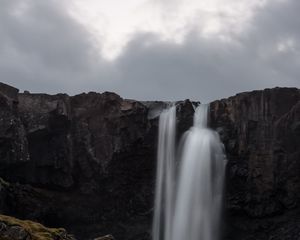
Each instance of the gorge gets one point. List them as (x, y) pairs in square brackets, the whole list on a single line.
[(87, 162)]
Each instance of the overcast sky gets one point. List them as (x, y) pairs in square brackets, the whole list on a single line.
[(150, 49)]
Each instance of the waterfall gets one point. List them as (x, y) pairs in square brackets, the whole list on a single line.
[(195, 201), (200, 183), (164, 194)]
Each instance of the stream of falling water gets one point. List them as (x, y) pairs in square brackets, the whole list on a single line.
[(188, 204), (164, 194)]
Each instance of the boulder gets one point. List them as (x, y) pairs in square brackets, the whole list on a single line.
[(15, 229)]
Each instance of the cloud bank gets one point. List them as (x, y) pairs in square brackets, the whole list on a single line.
[(44, 49)]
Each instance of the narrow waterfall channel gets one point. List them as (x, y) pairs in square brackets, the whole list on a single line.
[(188, 204), (164, 194)]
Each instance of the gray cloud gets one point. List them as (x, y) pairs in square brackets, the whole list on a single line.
[(208, 69), (44, 49)]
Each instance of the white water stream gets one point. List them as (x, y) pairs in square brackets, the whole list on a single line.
[(164, 194), (188, 204)]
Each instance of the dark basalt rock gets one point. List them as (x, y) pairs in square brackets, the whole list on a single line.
[(87, 162), (259, 130), (13, 142)]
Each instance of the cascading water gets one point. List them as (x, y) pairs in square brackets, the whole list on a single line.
[(164, 195), (194, 204), (197, 210)]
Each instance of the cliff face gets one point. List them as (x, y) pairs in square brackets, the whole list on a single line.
[(90, 160), (261, 134), (72, 140)]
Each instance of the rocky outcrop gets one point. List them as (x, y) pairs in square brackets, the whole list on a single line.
[(260, 131), (15, 229), (73, 140), (87, 162), (13, 141)]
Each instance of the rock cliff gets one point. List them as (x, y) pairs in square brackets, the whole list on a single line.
[(87, 162), (260, 131)]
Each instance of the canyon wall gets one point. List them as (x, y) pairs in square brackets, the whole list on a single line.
[(87, 162)]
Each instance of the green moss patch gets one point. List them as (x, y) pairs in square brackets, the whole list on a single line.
[(36, 230)]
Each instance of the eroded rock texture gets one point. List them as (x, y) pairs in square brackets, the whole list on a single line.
[(83, 162), (260, 131), (87, 162)]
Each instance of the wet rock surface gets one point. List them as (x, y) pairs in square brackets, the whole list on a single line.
[(87, 162)]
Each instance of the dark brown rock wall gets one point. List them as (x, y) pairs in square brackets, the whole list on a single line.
[(90, 160), (261, 137)]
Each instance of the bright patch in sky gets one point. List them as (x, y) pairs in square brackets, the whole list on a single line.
[(113, 23), (286, 45)]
